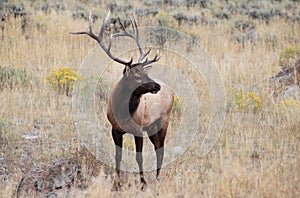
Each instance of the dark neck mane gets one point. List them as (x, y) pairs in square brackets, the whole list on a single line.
[(134, 102), (126, 100)]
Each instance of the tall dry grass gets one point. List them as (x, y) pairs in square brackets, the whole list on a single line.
[(257, 155)]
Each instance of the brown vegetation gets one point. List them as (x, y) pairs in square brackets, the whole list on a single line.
[(257, 154)]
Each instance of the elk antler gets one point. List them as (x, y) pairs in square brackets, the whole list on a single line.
[(99, 39), (134, 36)]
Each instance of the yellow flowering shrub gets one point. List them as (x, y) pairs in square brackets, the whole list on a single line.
[(176, 105), (288, 55), (289, 104), (240, 100), (176, 111), (63, 79)]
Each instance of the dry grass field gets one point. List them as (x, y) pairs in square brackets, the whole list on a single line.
[(256, 155)]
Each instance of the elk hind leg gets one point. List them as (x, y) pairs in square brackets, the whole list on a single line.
[(157, 139)]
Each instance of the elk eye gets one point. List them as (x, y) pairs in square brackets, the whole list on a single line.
[(136, 77)]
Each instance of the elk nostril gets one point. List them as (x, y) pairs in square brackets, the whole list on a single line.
[(157, 86)]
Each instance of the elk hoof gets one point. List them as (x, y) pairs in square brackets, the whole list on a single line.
[(143, 188), (144, 184), (158, 178)]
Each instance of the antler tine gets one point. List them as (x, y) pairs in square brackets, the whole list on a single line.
[(134, 36), (107, 50), (124, 33), (136, 31), (134, 25), (101, 31), (89, 31), (142, 54), (147, 62), (90, 22), (99, 39)]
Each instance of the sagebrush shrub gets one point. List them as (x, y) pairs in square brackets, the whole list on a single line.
[(11, 77)]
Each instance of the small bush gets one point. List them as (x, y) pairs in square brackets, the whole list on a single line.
[(221, 14), (176, 106), (102, 89), (289, 110), (5, 126), (242, 101), (244, 25), (128, 143), (289, 55), (16, 9), (289, 104), (198, 3), (11, 78), (165, 19), (63, 79)]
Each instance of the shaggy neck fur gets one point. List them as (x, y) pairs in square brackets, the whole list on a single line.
[(128, 101), (134, 102)]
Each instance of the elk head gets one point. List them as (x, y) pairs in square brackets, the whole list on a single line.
[(137, 81), (135, 75)]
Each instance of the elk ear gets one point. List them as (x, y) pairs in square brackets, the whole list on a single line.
[(126, 70), (146, 69)]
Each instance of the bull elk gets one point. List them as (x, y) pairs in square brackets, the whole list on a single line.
[(137, 102)]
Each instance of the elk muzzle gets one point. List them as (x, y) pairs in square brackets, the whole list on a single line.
[(149, 87)]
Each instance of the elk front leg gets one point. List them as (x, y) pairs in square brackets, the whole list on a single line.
[(139, 157), (118, 139)]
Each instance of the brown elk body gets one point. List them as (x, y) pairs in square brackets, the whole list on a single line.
[(137, 102)]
